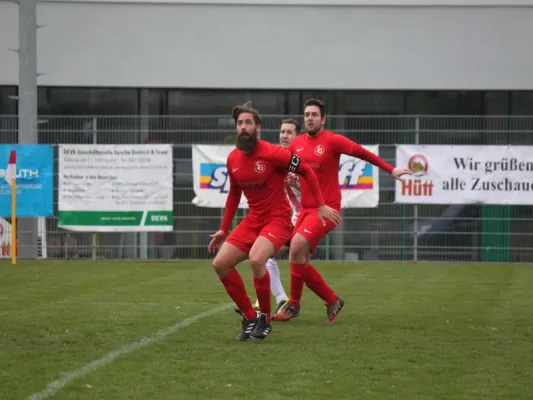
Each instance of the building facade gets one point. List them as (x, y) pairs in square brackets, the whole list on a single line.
[(365, 57)]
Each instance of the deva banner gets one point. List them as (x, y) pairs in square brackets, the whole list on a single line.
[(359, 180), (35, 180), (466, 174), (115, 188)]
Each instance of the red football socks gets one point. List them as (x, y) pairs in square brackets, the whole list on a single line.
[(298, 272), (318, 285), (262, 289), (234, 285)]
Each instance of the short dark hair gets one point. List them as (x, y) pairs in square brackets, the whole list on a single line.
[(246, 108), (294, 122), (316, 102)]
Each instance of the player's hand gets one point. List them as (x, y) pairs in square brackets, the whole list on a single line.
[(216, 240), (397, 173), (326, 212)]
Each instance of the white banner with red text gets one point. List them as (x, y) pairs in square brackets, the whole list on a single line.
[(359, 180), (465, 174)]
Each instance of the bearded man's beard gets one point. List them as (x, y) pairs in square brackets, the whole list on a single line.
[(246, 142)]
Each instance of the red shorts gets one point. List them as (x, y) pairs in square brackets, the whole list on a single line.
[(277, 231), (310, 226)]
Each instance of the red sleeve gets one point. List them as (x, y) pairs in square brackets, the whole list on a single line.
[(280, 157), (292, 163), (346, 146), (232, 203)]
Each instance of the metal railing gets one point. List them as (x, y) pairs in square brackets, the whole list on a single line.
[(389, 232)]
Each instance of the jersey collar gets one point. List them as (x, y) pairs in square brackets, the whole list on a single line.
[(316, 136)]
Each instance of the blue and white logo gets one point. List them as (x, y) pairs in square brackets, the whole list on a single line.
[(34, 180)]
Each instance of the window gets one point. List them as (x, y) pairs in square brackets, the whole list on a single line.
[(521, 128), (8, 115), (522, 103), (8, 106), (496, 103), (366, 120), (371, 103), (448, 103), (88, 101), (210, 103), (79, 105), (220, 102), (294, 103)]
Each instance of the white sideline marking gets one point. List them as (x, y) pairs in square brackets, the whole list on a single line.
[(53, 387)]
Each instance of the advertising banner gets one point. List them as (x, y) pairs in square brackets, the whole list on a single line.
[(465, 174), (115, 188)]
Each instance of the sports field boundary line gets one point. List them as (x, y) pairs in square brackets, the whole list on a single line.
[(53, 387)]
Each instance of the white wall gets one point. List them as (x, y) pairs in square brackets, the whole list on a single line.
[(435, 3), (238, 46)]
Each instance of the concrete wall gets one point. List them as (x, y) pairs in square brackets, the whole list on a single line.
[(170, 43)]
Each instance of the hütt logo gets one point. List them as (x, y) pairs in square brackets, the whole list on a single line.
[(419, 164)]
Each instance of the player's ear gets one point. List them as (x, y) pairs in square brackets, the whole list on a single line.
[(323, 121), (259, 131)]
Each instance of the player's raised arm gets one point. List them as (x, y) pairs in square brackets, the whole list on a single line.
[(346, 146), (232, 204), (297, 166)]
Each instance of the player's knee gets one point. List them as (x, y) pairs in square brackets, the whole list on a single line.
[(297, 259), (258, 264), (220, 267), (299, 250), (256, 260)]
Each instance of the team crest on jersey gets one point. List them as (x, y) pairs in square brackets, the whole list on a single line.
[(319, 150), (259, 166)]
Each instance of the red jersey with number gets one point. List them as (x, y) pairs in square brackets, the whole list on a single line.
[(260, 175), (322, 152)]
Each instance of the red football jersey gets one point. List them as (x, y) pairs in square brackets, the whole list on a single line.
[(322, 152), (260, 175)]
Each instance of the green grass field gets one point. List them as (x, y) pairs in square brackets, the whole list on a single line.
[(82, 330)]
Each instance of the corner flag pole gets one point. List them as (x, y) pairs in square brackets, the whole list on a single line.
[(11, 178), (14, 221)]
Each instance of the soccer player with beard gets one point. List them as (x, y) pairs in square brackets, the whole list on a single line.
[(258, 169), (288, 131), (321, 149)]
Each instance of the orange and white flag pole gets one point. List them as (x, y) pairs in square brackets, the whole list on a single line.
[(11, 178)]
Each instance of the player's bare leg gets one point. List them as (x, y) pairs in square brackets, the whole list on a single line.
[(261, 251), (228, 257), (304, 273)]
